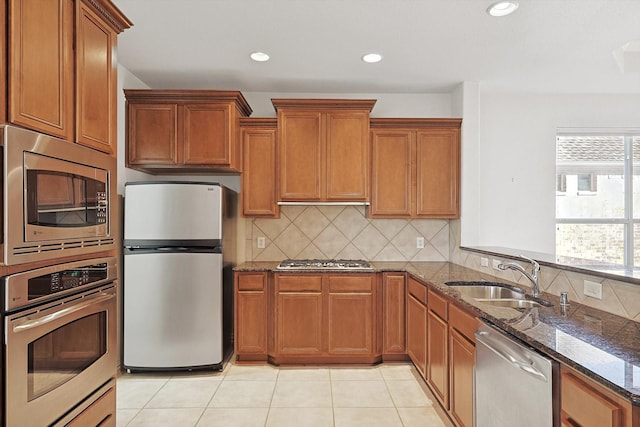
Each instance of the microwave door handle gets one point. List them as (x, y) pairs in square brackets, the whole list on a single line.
[(34, 323)]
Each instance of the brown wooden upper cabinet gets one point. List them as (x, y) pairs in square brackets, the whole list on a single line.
[(323, 149), (259, 192), (63, 75), (184, 130), (416, 168)]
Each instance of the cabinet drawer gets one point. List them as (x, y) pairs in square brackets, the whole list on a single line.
[(251, 282), (418, 290), (438, 305), (357, 284), (463, 322), (99, 413), (584, 406), (302, 283)]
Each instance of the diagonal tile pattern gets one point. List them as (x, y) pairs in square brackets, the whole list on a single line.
[(266, 396), (345, 232), (620, 298)]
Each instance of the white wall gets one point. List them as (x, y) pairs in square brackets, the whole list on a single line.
[(516, 171), (466, 98), (387, 105)]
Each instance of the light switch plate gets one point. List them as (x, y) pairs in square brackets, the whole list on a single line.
[(484, 262), (261, 242), (420, 242), (593, 289)]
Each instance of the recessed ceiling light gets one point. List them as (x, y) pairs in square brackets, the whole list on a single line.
[(372, 58), (259, 56), (502, 8)]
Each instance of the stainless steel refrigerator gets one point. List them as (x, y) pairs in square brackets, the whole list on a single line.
[(178, 281)]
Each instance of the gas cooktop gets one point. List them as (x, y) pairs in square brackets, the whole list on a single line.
[(325, 264)]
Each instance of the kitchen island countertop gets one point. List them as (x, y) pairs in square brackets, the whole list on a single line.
[(603, 346)]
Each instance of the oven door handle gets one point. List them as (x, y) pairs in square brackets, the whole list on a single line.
[(87, 301)]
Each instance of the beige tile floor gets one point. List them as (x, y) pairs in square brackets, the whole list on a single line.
[(388, 395)]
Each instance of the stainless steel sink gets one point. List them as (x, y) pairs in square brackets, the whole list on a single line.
[(488, 292), (510, 302), (497, 294)]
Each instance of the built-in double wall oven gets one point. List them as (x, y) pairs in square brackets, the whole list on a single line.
[(60, 344), (57, 198)]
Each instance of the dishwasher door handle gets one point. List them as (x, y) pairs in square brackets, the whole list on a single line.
[(493, 344)]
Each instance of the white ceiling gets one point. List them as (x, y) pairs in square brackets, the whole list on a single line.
[(429, 46)]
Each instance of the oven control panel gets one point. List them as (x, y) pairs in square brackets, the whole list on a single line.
[(68, 279), (34, 286)]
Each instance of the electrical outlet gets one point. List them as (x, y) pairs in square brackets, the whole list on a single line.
[(484, 262), (420, 242), (593, 289), (261, 242), (495, 264)]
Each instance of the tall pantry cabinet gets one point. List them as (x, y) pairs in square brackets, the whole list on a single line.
[(62, 71)]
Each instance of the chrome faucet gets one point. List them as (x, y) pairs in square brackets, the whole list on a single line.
[(533, 277)]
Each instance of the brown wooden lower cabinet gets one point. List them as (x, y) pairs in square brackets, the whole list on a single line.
[(440, 343), (299, 315), (251, 321), (462, 361), (351, 315), (438, 347), (394, 316), (587, 404), (337, 318), (325, 318), (417, 324)]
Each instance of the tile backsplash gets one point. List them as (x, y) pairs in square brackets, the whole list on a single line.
[(618, 297), (345, 232)]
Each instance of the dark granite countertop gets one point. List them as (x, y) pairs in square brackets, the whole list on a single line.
[(603, 346)]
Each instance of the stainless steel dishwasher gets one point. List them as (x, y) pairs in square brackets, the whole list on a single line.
[(515, 385)]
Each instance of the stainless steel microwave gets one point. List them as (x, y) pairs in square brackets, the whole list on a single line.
[(58, 197)]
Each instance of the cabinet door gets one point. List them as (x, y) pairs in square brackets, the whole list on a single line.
[(437, 173), (96, 81), (394, 314), (351, 315), (347, 151), (41, 74), (300, 155), (100, 413), (207, 134), (4, 96), (462, 356), (391, 174), (299, 315), (583, 405), (259, 172), (152, 134), (437, 358), (251, 316), (417, 333)]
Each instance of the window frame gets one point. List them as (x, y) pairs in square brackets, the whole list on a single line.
[(628, 221)]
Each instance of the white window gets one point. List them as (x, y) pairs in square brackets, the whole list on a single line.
[(597, 208)]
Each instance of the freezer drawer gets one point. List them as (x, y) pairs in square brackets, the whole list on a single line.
[(172, 310), (515, 385)]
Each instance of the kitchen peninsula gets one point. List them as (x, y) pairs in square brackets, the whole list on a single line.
[(577, 336)]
